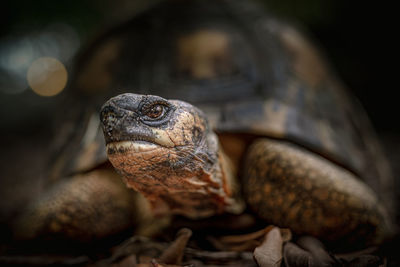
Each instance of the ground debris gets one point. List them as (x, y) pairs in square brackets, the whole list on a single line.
[(43, 260), (247, 242), (268, 247), (269, 253)]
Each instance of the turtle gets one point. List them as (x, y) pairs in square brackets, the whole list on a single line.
[(205, 108)]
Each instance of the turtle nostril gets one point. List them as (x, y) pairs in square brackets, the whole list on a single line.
[(109, 115)]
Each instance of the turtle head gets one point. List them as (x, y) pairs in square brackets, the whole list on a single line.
[(147, 122), (165, 150)]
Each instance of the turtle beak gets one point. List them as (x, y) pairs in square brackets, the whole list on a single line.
[(119, 118), (110, 118)]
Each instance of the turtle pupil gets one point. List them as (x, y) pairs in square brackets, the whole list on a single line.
[(155, 112)]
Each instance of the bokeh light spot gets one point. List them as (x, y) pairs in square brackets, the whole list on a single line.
[(47, 76)]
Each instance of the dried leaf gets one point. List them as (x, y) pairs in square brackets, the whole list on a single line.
[(246, 242), (246, 237), (269, 253), (174, 253)]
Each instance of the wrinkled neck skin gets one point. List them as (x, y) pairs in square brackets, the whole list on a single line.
[(182, 170)]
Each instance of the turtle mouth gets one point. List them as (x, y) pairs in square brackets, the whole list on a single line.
[(137, 135), (131, 146), (138, 141)]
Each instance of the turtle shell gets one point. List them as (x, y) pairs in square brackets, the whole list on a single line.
[(250, 72)]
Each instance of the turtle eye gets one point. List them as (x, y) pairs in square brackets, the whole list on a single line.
[(156, 111)]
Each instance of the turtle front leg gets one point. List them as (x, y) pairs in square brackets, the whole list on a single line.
[(85, 207), (295, 188)]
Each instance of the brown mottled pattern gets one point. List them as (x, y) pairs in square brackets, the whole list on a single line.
[(277, 86), (291, 187), (84, 207), (283, 183), (263, 77), (204, 54)]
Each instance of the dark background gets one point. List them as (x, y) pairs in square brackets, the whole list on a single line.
[(357, 37)]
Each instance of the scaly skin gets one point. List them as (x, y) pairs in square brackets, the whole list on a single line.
[(292, 187), (166, 151), (84, 207), (173, 160)]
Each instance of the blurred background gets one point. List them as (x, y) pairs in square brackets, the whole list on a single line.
[(35, 36)]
